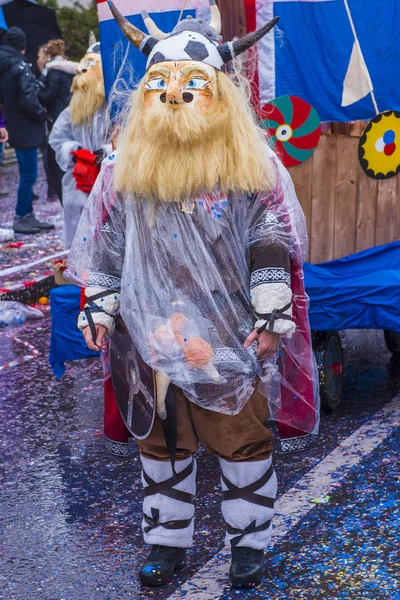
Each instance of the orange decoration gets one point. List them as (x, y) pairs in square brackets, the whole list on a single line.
[(43, 301), (178, 321), (197, 352)]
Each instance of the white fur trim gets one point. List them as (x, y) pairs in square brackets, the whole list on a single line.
[(110, 305), (170, 509), (68, 66), (240, 513), (270, 296)]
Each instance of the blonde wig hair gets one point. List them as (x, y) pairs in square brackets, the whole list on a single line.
[(170, 155), (87, 95)]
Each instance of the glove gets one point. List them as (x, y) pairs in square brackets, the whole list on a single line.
[(100, 155)]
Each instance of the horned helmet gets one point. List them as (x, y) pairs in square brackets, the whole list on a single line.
[(192, 39)]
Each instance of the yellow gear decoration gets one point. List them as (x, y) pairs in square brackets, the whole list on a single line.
[(379, 149)]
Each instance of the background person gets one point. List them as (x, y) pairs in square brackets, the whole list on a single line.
[(81, 126), (55, 82), (25, 118)]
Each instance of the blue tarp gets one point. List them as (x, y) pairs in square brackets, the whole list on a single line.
[(67, 342), (361, 291)]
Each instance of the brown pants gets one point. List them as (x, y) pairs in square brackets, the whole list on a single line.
[(235, 438)]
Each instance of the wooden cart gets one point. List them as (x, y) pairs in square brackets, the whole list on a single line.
[(346, 211)]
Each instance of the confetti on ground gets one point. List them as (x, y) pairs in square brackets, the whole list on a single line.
[(27, 259), (323, 500)]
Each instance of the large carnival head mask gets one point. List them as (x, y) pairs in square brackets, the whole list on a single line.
[(187, 116), (88, 85)]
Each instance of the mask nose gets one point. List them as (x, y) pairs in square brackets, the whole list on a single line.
[(174, 93)]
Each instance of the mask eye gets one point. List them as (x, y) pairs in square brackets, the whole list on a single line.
[(156, 84), (195, 84)]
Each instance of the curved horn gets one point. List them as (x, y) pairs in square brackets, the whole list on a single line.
[(92, 38), (134, 35), (152, 27), (215, 22), (229, 50)]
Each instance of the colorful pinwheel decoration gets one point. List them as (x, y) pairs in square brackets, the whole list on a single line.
[(293, 127)]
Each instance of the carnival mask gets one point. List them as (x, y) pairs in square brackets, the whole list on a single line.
[(190, 84), (91, 65), (87, 89)]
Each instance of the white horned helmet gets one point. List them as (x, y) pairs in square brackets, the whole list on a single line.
[(191, 39), (210, 30), (94, 45)]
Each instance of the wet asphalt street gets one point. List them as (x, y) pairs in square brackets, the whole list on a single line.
[(70, 513)]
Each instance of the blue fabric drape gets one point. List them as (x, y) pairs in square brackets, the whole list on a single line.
[(361, 291)]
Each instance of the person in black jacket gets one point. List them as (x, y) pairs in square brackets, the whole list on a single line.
[(56, 79), (25, 118), (55, 83)]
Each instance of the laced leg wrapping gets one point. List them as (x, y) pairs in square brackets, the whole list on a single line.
[(248, 503), (168, 510)]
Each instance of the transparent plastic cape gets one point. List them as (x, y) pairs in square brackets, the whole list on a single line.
[(64, 138), (184, 276)]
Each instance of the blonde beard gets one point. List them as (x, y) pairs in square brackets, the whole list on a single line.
[(169, 155), (87, 98)]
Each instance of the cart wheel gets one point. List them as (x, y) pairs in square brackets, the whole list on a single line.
[(392, 340), (329, 355)]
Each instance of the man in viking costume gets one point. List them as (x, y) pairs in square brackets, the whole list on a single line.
[(193, 236), (78, 138)]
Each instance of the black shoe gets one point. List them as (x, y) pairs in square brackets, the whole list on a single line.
[(41, 224), (159, 567), (25, 225), (246, 568)]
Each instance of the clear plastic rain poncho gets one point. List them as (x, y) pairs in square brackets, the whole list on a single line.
[(184, 279), (64, 138)]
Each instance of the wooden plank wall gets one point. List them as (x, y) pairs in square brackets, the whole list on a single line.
[(346, 211)]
